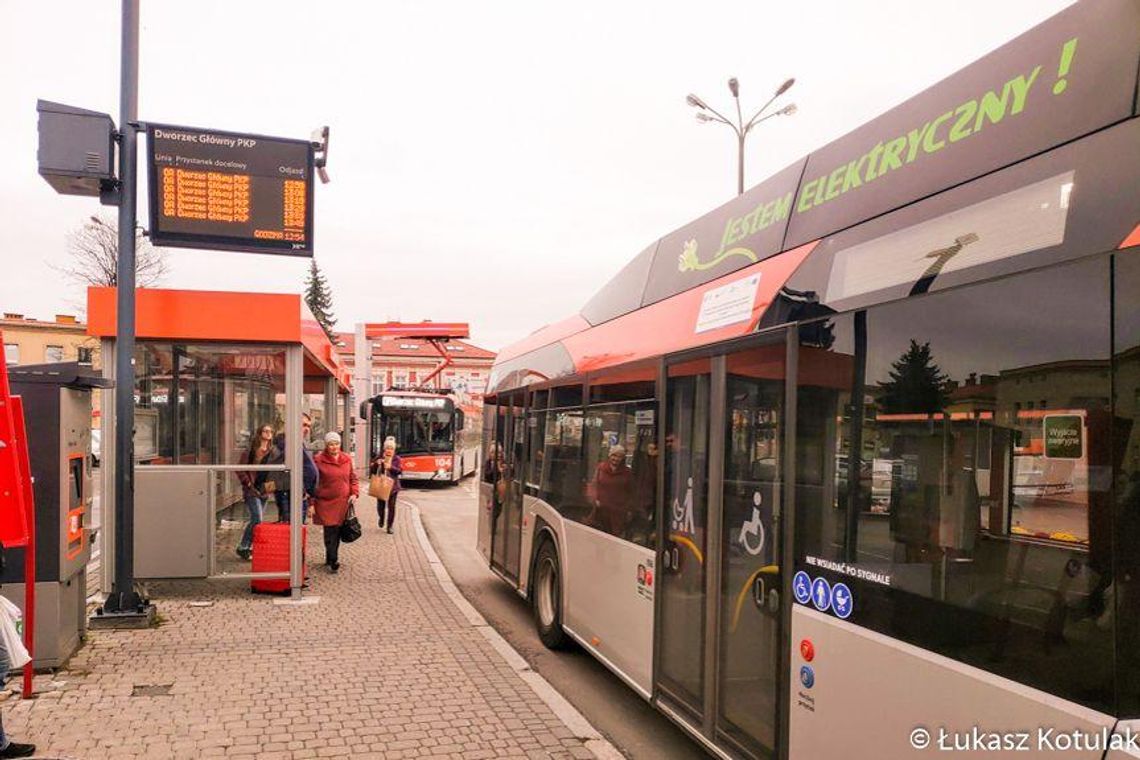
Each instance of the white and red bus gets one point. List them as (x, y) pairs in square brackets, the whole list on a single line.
[(850, 466), (437, 438)]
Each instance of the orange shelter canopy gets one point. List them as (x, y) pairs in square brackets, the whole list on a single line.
[(223, 317)]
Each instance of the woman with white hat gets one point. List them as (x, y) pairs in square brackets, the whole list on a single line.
[(337, 490)]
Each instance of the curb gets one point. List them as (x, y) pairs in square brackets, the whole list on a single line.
[(558, 704)]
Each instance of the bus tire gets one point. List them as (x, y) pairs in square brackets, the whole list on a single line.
[(546, 597)]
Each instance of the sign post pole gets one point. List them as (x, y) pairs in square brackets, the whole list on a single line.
[(124, 607)]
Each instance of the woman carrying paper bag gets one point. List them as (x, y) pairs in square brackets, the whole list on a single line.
[(385, 482)]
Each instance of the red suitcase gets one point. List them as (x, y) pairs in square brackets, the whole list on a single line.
[(271, 554)]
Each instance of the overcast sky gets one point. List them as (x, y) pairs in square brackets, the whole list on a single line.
[(491, 162)]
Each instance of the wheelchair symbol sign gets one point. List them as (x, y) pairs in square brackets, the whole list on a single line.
[(801, 587)]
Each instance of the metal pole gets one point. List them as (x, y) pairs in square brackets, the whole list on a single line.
[(740, 164), (294, 390), (123, 598)]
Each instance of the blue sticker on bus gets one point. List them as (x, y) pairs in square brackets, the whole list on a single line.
[(807, 676), (801, 587), (821, 594), (842, 602)]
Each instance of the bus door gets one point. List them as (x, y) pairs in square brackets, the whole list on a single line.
[(719, 623), (750, 584), (679, 675), (506, 538)]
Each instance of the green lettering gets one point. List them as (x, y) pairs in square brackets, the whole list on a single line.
[(851, 178), (1020, 88), (752, 221), (804, 202), (819, 199), (737, 228), (914, 139), (992, 107), (764, 216), (834, 181), (965, 113), (782, 207), (872, 162), (928, 144), (726, 238), (891, 154)]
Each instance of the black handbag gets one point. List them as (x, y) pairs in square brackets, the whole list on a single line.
[(350, 529)]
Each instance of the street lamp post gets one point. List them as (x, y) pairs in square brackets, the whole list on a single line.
[(741, 127)]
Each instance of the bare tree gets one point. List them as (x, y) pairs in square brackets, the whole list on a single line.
[(94, 251)]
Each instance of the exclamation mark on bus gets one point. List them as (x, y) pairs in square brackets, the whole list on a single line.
[(1066, 61)]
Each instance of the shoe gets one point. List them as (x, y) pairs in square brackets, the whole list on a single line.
[(335, 567), (18, 750), (389, 528), (243, 553)]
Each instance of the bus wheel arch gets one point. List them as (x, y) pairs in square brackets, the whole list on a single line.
[(546, 592)]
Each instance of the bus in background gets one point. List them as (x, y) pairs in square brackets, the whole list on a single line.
[(436, 436), (850, 466)]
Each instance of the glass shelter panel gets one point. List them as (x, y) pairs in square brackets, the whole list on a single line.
[(203, 404)]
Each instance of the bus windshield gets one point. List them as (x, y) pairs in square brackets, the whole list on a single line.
[(417, 431)]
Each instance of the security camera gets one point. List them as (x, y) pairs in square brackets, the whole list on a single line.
[(320, 141)]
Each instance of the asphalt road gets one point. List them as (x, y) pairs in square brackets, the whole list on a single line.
[(630, 723)]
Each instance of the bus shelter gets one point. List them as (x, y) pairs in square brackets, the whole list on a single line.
[(213, 372)]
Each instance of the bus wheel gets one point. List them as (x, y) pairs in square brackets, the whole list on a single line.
[(546, 598)]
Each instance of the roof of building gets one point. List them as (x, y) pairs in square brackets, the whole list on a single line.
[(61, 322), (418, 348)]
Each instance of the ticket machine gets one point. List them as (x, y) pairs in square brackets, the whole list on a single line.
[(57, 408)]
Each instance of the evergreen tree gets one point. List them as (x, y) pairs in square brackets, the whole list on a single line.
[(917, 384), (318, 296)]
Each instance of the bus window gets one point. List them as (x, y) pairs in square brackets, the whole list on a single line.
[(969, 523), (562, 479), (1122, 591), (621, 462)]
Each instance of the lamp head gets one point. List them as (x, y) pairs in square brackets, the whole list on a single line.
[(789, 109), (704, 118), (734, 87), (786, 86), (694, 101)]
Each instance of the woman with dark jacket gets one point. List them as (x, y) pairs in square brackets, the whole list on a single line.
[(390, 464), (254, 488), (337, 490)]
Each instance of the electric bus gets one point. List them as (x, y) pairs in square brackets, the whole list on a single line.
[(848, 467), (437, 439)]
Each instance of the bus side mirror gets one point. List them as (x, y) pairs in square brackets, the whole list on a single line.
[(363, 410), (459, 419)]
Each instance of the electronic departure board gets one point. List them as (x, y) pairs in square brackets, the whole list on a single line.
[(230, 191)]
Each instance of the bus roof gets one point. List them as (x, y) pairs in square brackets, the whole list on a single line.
[(1069, 77)]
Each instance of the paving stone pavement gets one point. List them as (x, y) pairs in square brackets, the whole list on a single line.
[(384, 666)]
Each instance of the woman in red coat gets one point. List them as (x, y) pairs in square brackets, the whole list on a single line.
[(337, 490)]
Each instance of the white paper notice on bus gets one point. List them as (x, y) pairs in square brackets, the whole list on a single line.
[(728, 304)]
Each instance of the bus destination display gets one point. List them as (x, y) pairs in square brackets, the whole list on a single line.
[(230, 191)]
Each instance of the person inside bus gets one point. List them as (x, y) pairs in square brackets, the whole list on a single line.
[(337, 490), (390, 464), (645, 493), (613, 493), (255, 485)]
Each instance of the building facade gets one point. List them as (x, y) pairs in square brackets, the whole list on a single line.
[(406, 363), (34, 341)]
